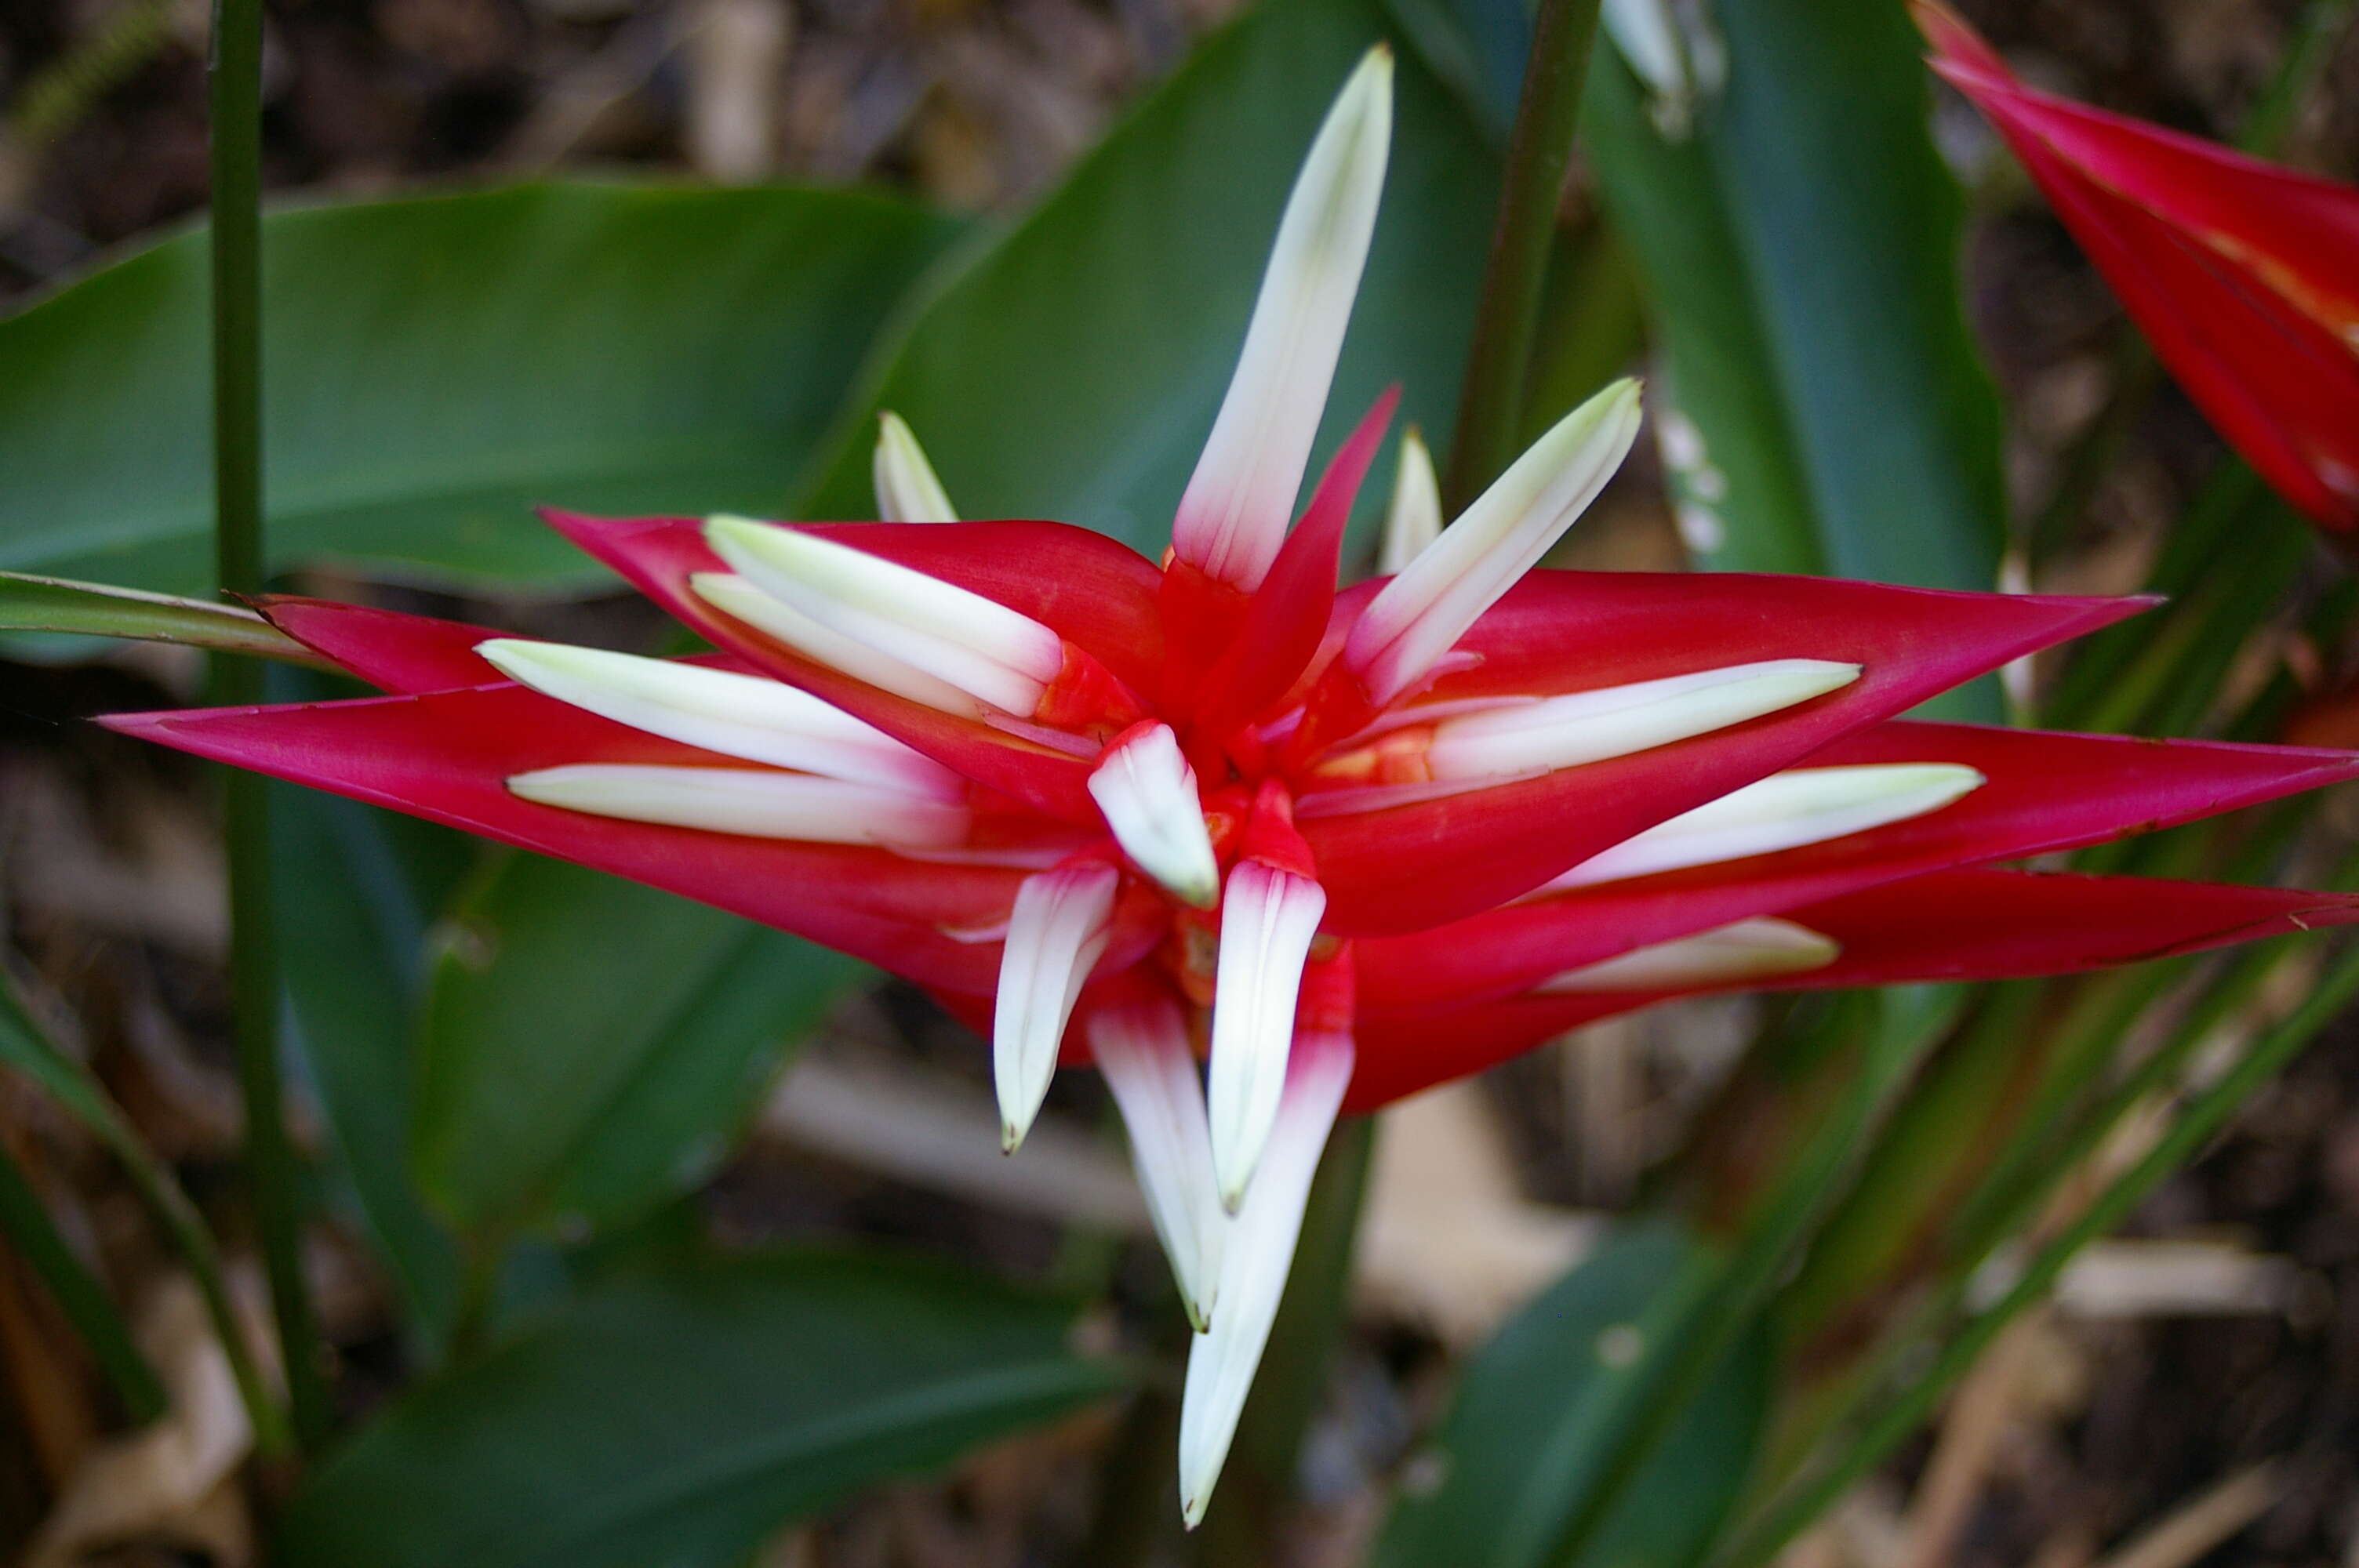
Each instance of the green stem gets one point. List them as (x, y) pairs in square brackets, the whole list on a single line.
[(1490, 404), (237, 82), (1709, 1308), (2308, 54), (1900, 1416)]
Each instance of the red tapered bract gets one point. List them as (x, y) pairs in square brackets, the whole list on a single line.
[(2244, 275)]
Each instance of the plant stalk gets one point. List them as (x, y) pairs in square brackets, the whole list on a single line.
[(235, 74), (2195, 1126), (1498, 359)]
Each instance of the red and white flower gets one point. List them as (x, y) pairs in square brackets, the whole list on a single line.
[(1346, 845)]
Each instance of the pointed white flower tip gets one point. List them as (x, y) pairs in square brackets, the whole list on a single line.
[(907, 489), (1267, 919), (1142, 1049), (1259, 1255), (992, 653), (1234, 514), (1055, 935), (1616, 720), (1755, 949), (757, 803), (1784, 811), (1147, 792), (1413, 520), (740, 600), (1673, 48), (751, 717), (1416, 618)]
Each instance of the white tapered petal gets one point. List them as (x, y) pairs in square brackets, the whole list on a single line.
[(1413, 520), (751, 717), (1055, 936), (1234, 514), (907, 489), (1613, 721), (981, 647), (1784, 811), (1143, 1051), (1257, 1255), (1416, 618), (755, 802), (1756, 949), (740, 600), (1147, 792), (1267, 919)]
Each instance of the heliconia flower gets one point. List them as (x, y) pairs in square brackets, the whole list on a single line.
[(2244, 275), (1345, 845)]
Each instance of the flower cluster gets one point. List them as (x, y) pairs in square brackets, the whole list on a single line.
[(1335, 846)]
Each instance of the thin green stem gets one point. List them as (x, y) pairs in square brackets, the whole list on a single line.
[(1709, 1308), (2203, 1116), (2316, 36), (1498, 359), (236, 81)]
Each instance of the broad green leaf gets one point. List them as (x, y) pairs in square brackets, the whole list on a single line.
[(676, 1415), (351, 922), (1516, 1435), (435, 365), (589, 1044), (1800, 252), (1072, 368), (54, 605)]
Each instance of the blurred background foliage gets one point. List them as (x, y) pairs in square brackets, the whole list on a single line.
[(644, 1236)]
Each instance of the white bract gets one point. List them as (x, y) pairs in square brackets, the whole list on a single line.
[(994, 655), (1416, 617), (753, 716), (1756, 949), (757, 802), (1617, 721), (1254, 1266), (1147, 792), (1234, 514), (1413, 516), (1267, 920), (1143, 1051), (907, 489), (740, 598), (1784, 811), (1056, 933)]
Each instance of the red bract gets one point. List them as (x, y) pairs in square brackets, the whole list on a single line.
[(2244, 275), (1342, 846)]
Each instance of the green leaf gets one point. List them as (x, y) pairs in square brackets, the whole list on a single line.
[(33, 1236), (1072, 368), (1800, 252), (26, 1048), (54, 605), (1513, 1441), (436, 364), (675, 1416), (589, 1044), (352, 924)]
